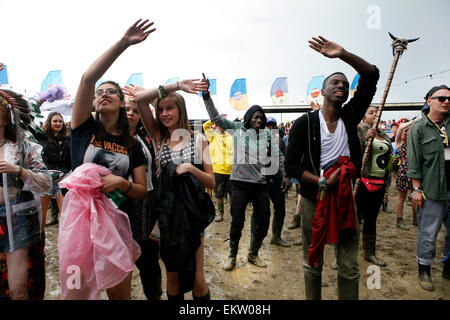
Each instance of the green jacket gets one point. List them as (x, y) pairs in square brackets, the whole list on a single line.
[(425, 157)]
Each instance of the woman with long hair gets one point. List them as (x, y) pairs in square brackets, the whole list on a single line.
[(373, 182), (56, 156), (23, 175), (106, 139), (176, 143)]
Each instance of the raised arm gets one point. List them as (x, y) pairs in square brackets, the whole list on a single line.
[(137, 33), (333, 50)]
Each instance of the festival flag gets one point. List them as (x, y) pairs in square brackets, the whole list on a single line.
[(172, 80), (313, 93), (279, 91), (238, 95), (212, 87), (354, 85), (4, 75), (99, 82), (53, 77), (136, 79)]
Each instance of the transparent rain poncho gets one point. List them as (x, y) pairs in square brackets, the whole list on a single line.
[(20, 208)]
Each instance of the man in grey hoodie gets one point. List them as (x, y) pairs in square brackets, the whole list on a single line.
[(256, 155)]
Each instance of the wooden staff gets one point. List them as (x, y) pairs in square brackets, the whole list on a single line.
[(398, 46)]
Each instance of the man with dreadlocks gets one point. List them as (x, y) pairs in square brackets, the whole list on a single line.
[(23, 176), (324, 154)]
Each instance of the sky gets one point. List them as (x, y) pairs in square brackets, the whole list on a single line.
[(259, 40)]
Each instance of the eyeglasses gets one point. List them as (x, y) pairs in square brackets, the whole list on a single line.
[(109, 92), (441, 98)]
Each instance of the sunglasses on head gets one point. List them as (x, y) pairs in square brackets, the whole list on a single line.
[(441, 98)]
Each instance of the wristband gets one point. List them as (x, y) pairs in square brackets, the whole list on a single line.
[(416, 189), (178, 87), (129, 188), (323, 183)]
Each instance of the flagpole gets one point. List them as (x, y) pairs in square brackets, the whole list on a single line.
[(399, 46)]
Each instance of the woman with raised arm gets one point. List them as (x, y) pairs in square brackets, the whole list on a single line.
[(106, 139), (188, 153), (24, 178)]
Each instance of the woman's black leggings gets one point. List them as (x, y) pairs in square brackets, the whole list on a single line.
[(368, 206)]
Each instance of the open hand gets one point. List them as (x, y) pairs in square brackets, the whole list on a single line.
[(327, 48), (132, 90), (193, 86), (138, 32)]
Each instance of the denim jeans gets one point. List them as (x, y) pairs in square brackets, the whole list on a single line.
[(346, 248), (430, 218)]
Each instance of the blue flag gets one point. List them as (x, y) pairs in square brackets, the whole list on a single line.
[(212, 87), (136, 79), (99, 82), (238, 95), (314, 87), (4, 75), (279, 91), (53, 77), (354, 84)]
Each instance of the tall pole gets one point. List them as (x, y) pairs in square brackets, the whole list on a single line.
[(398, 45)]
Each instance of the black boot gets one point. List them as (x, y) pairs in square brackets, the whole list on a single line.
[(446, 270), (369, 244), (277, 226), (425, 277), (253, 257), (313, 286), (206, 297), (231, 261), (348, 289), (295, 223)]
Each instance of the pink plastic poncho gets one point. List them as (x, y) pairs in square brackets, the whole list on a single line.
[(96, 248)]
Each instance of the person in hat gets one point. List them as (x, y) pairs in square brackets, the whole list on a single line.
[(428, 154), (256, 156)]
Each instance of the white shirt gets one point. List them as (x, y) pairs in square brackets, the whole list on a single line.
[(332, 145)]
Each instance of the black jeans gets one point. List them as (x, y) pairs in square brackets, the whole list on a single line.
[(368, 206), (258, 195), (278, 197), (149, 269)]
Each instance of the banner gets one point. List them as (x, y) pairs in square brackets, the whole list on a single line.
[(212, 87), (354, 84), (313, 92), (279, 91), (136, 79), (4, 75), (238, 95), (53, 77)]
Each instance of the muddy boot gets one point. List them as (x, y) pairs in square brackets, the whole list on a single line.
[(53, 221), (178, 297), (219, 217), (253, 257), (348, 289), (295, 223), (385, 207), (231, 261), (298, 242), (401, 224), (277, 225), (334, 265), (425, 277), (446, 270), (313, 286), (369, 242)]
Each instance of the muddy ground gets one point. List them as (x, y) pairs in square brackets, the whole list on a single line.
[(283, 277)]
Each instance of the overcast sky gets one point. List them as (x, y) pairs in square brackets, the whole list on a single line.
[(254, 39)]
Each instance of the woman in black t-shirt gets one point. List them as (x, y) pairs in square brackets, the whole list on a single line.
[(106, 140)]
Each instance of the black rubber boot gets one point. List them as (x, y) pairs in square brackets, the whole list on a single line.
[(277, 226), (231, 261), (348, 289), (253, 257), (425, 277), (313, 286), (206, 297), (446, 270), (369, 244)]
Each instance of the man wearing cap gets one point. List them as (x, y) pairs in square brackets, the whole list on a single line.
[(316, 141), (428, 156), (255, 156), (275, 184)]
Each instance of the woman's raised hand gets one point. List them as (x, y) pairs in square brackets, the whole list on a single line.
[(193, 86), (327, 48), (131, 90), (138, 32)]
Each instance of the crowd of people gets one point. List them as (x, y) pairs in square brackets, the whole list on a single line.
[(156, 169)]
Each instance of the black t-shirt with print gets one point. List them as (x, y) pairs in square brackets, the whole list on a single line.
[(110, 153), (441, 125)]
